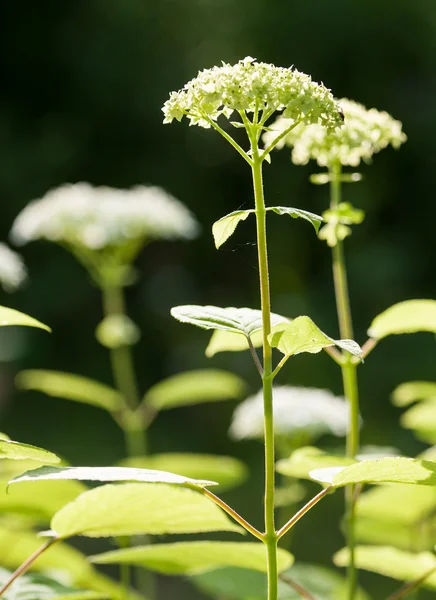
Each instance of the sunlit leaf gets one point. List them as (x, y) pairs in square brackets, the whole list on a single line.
[(302, 335), (195, 557), (312, 218), (195, 387), (69, 387), (3, 436), (109, 474), (41, 587), (412, 391), (225, 470), (19, 451), (412, 537), (392, 562), (137, 509), (225, 227), (410, 316), (10, 316), (421, 418), (384, 470), (306, 459)]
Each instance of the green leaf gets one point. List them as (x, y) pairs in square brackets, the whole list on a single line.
[(18, 451), (421, 418), (384, 470), (410, 316), (3, 436), (391, 562), (41, 587), (414, 537), (195, 387), (137, 509), (108, 474), (70, 387), (225, 470), (412, 391), (225, 227), (10, 316), (306, 459), (312, 218), (195, 557), (302, 335), (116, 331)]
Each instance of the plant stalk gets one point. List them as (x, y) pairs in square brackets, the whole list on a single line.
[(270, 532), (349, 375)]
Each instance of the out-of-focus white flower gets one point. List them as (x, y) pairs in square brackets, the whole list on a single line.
[(296, 409), (252, 86), (12, 270), (364, 133), (96, 218)]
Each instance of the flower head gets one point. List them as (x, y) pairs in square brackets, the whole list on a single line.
[(364, 133), (12, 270), (296, 409), (252, 86)]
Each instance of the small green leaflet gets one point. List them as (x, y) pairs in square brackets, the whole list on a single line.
[(421, 418), (306, 459), (195, 387), (138, 509), (226, 470), (10, 316), (410, 316), (110, 474), (195, 557), (412, 391), (383, 470), (70, 387), (225, 227), (302, 335), (18, 451), (393, 533), (392, 562), (41, 587)]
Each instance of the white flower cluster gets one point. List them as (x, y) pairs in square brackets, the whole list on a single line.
[(249, 86), (12, 270), (96, 218), (364, 133), (296, 409)]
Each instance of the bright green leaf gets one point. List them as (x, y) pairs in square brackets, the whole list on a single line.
[(3, 436), (137, 509), (384, 470), (414, 537), (392, 562), (410, 316), (18, 451), (412, 391), (10, 316), (108, 474), (306, 459), (70, 387), (421, 418), (225, 227), (41, 587), (225, 470), (302, 335), (312, 218), (195, 557), (195, 387)]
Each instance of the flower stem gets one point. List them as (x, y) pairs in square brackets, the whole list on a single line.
[(349, 375), (270, 533)]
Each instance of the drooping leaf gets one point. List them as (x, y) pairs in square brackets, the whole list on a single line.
[(108, 474), (195, 557), (384, 470), (10, 316), (138, 509), (302, 335), (306, 459), (421, 419), (410, 316), (412, 391), (19, 451), (41, 587), (392, 562), (69, 387), (225, 227), (225, 470), (312, 218), (195, 387)]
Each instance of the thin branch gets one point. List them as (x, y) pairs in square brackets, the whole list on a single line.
[(236, 516), (26, 565), (229, 138), (276, 140), (281, 532), (411, 586), (279, 366), (367, 347), (334, 354), (297, 587), (255, 356)]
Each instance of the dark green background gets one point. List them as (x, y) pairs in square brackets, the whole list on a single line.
[(82, 85)]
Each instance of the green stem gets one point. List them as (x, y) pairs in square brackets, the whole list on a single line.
[(270, 533), (281, 532), (349, 375), (236, 516)]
